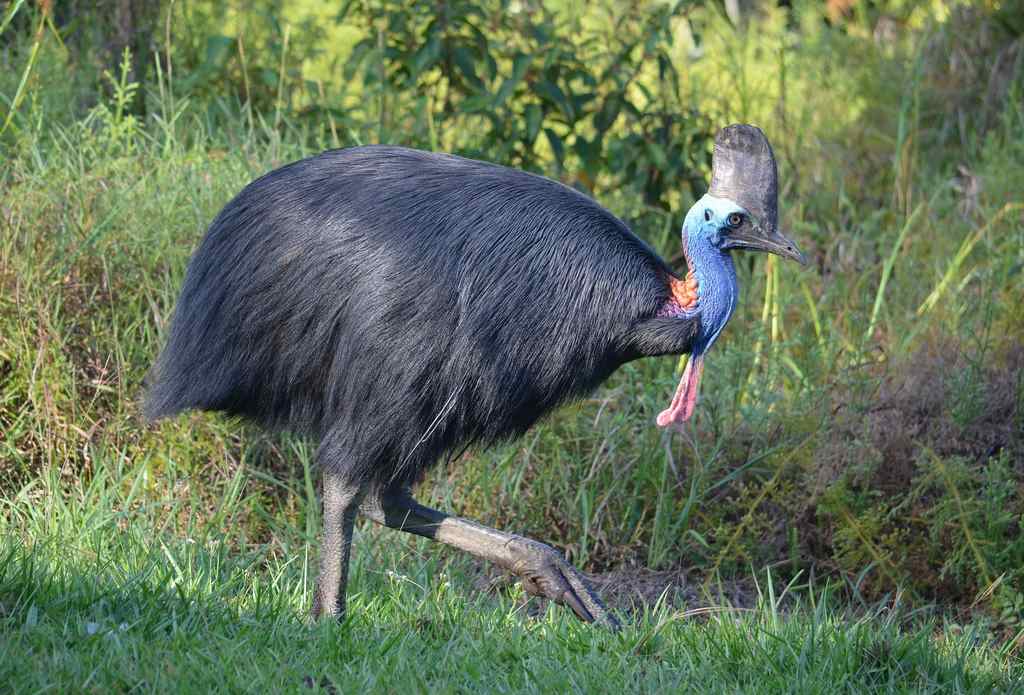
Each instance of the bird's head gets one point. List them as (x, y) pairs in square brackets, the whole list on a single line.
[(741, 207), (739, 211)]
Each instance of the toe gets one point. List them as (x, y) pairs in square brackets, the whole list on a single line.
[(545, 573)]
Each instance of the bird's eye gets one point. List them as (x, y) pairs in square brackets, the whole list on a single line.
[(735, 219)]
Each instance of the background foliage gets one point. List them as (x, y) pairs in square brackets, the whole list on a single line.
[(863, 420)]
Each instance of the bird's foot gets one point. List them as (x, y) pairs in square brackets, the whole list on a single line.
[(326, 606), (543, 572), (323, 608)]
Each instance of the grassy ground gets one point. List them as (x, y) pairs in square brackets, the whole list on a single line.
[(107, 593), (862, 422)]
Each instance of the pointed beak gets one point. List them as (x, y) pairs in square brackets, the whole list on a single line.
[(770, 241)]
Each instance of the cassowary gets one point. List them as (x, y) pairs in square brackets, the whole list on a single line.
[(400, 305)]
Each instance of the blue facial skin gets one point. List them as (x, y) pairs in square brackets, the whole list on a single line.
[(716, 276)]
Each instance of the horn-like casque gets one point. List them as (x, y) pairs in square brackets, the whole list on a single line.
[(743, 170)]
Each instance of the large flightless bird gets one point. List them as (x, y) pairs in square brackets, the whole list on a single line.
[(400, 305)]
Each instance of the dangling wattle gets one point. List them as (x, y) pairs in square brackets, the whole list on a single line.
[(684, 402)]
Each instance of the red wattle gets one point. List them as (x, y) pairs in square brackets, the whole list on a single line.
[(685, 400)]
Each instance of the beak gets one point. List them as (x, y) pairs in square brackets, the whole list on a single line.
[(759, 239)]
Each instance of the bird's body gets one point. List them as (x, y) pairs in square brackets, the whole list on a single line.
[(403, 304), (397, 305)]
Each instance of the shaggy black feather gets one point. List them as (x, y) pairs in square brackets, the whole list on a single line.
[(399, 304)]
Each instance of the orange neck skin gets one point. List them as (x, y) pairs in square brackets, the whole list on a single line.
[(685, 292), (682, 296)]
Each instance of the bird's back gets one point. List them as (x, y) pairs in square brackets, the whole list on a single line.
[(402, 303)]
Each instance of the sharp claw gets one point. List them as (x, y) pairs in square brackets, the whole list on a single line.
[(577, 607), (569, 598), (550, 576), (603, 616)]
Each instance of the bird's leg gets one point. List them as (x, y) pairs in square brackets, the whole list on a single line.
[(341, 504), (542, 570)]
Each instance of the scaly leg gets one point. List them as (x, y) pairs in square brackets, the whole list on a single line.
[(542, 571), (341, 503)]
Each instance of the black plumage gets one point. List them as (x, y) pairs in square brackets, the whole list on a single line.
[(399, 304)]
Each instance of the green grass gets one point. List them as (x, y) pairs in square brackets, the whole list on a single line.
[(861, 423), (101, 592)]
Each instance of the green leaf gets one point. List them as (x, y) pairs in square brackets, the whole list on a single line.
[(427, 55), (589, 151), (631, 109), (556, 145), (477, 102), (551, 92), (463, 57), (520, 64), (492, 67), (534, 116), (12, 10), (480, 40), (608, 113), (507, 85), (580, 100)]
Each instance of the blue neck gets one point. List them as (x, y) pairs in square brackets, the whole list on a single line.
[(716, 276)]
